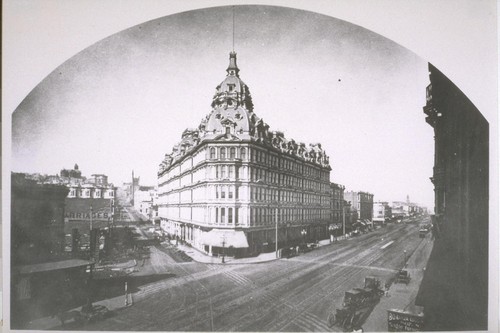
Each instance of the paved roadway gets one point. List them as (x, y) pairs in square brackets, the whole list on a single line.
[(293, 295), (129, 213)]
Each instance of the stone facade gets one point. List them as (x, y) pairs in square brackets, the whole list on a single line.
[(88, 199), (145, 199), (454, 291), (337, 206), (362, 202), (232, 182)]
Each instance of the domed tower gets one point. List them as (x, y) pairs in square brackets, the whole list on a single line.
[(234, 177), (232, 107)]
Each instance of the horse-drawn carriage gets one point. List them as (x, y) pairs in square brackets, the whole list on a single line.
[(356, 303), (402, 276)]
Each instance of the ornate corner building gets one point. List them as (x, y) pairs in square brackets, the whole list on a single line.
[(232, 185)]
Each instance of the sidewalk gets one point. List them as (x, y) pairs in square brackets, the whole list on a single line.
[(124, 265), (401, 296), (118, 302), (199, 256)]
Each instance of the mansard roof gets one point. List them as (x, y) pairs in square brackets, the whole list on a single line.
[(232, 119)]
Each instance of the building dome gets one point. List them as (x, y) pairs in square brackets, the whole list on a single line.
[(232, 106), (232, 92), (232, 119)]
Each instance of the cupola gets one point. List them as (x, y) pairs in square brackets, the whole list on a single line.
[(232, 69), (232, 92)]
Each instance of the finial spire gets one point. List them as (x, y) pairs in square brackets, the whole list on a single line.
[(232, 69), (233, 28)]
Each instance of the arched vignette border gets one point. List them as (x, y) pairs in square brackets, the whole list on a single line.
[(459, 26)]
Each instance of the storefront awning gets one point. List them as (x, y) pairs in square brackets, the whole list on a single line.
[(52, 266), (231, 238)]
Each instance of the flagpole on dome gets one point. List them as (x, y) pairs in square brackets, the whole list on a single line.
[(233, 28)]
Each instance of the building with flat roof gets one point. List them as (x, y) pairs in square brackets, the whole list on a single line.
[(362, 202), (145, 200), (88, 200), (233, 185), (37, 220)]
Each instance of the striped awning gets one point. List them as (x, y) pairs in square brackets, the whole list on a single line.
[(230, 238)]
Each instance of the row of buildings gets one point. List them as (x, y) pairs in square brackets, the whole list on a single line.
[(346, 208), (233, 183), (396, 210), (45, 279), (88, 200)]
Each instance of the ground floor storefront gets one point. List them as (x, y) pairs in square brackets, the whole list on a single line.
[(242, 242)]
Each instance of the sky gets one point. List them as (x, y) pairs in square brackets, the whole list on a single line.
[(122, 103)]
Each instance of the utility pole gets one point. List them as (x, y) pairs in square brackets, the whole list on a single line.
[(91, 213), (223, 248), (343, 219), (276, 232)]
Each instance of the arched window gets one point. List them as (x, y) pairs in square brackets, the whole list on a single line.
[(232, 152), (223, 153), (212, 153), (243, 153)]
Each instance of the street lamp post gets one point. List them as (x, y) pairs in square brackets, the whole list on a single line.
[(404, 265), (288, 224), (331, 228), (303, 233), (223, 248), (343, 220)]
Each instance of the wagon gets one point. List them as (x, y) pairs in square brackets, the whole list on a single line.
[(402, 277), (356, 303)]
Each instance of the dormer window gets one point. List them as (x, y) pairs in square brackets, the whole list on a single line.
[(231, 87), (228, 130)]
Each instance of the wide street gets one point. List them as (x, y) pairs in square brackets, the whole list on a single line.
[(294, 295)]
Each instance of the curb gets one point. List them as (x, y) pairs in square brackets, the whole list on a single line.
[(234, 261)]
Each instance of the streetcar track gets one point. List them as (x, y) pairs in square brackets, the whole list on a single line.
[(297, 314), (309, 269), (275, 306)]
